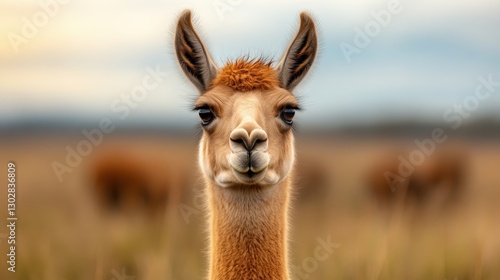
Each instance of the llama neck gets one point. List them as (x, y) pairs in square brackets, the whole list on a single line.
[(249, 232)]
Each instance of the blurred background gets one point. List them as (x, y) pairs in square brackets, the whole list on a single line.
[(108, 186)]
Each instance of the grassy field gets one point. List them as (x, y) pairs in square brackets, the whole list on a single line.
[(62, 234)]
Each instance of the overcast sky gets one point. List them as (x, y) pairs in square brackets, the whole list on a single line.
[(428, 57)]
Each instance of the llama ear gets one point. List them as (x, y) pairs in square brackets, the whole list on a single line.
[(300, 55), (192, 54)]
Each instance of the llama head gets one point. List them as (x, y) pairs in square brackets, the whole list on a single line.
[(246, 107)]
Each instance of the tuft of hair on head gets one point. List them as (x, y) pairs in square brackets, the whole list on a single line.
[(245, 75)]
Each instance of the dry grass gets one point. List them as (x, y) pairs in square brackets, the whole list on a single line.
[(61, 234)]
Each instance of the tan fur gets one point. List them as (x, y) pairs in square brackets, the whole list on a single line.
[(249, 232), (246, 153)]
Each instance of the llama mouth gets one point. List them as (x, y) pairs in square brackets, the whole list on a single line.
[(251, 175), (248, 169)]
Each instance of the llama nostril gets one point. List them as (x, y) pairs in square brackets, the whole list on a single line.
[(239, 141), (248, 146), (255, 143), (243, 143)]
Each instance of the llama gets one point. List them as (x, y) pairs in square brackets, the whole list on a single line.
[(127, 183), (439, 179), (312, 180), (246, 153)]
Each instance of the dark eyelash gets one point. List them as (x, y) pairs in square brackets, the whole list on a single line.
[(292, 106), (204, 106)]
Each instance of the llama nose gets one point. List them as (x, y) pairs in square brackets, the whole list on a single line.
[(248, 139)]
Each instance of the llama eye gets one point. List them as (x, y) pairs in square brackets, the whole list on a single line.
[(206, 116), (287, 115)]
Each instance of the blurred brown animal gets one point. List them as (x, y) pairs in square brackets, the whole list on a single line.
[(439, 178), (123, 182), (312, 179)]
